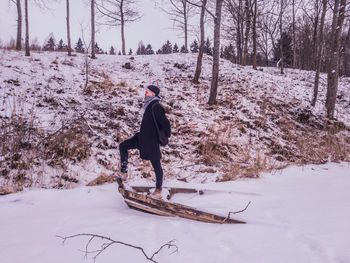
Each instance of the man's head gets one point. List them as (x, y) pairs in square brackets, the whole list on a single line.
[(152, 90)]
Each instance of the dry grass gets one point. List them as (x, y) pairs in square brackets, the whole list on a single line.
[(25, 147)]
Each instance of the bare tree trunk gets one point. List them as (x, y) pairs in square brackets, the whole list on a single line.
[(281, 42), (239, 38), (93, 51), (319, 52), (216, 53), (333, 64), (27, 53), (122, 24), (247, 29), (185, 25), (314, 36), (347, 56), (69, 46), (254, 33), (201, 45), (19, 25), (294, 39)]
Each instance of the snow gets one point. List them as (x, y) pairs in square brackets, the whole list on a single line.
[(301, 214)]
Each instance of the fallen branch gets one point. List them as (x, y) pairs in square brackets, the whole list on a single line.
[(240, 211), (108, 242)]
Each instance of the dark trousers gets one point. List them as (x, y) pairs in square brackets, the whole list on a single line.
[(132, 143)]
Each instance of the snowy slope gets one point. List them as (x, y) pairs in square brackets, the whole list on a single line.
[(300, 215), (261, 122)]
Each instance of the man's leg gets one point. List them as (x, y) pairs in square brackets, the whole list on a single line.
[(159, 173), (131, 143)]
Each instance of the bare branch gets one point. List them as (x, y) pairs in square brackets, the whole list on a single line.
[(240, 211), (109, 241)]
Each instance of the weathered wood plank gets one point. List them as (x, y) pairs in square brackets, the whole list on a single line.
[(161, 206)]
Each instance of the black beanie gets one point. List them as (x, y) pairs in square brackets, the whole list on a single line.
[(155, 89)]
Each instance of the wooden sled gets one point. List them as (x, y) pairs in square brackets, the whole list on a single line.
[(139, 199)]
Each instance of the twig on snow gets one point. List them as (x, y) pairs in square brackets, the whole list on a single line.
[(240, 211), (109, 241)]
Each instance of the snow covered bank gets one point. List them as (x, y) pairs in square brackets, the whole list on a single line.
[(56, 133), (300, 215)]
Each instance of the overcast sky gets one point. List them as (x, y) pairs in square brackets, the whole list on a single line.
[(155, 27)]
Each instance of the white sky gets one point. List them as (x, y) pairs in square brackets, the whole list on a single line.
[(154, 27)]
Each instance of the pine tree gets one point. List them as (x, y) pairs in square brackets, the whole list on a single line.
[(183, 49), (167, 48), (149, 50), (141, 49), (50, 44), (130, 52), (287, 49), (79, 46), (207, 47), (61, 46), (229, 53), (119, 53), (175, 48), (194, 46), (112, 51), (98, 50)]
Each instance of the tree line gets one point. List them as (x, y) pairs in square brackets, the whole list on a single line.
[(304, 34)]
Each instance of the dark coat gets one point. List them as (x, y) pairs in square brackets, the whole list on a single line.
[(148, 138)]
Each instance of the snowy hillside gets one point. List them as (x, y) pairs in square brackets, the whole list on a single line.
[(56, 133)]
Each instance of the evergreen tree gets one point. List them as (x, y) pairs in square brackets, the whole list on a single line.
[(207, 47), (50, 44), (61, 46), (159, 51), (119, 53), (183, 49), (229, 53), (149, 50), (141, 49), (130, 52), (194, 46), (175, 48), (112, 51), (167, 48), (287, 50), (79, 47), (98, 50)]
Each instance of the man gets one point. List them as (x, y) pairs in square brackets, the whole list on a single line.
[(146, 141)]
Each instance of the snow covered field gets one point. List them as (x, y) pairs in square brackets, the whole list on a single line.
[(300, 215)]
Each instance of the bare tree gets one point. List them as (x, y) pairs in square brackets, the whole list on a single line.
[(216, 53), (93, 51), (69, 46), (19, 25), (254, 13), (179, 12), (268, 27), (319, 52), (347, 53), (235, 29), (247, 30), (118, 13), (202, 39), (27, 53), (333, 62), (294, 38)]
